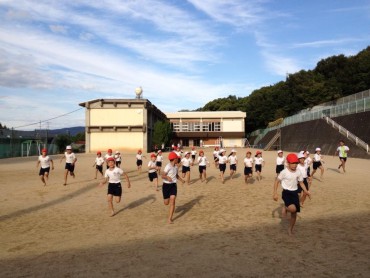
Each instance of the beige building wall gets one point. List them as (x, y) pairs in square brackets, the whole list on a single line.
[(232, 125), (232, 143), (131, 116), (116, 141)]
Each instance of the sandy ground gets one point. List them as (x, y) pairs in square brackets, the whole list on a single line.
[(220, 230)]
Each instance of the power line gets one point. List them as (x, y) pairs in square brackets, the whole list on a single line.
[(39, 122)]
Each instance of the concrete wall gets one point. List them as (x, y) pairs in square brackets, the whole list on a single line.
[(127, 116), (127, 141), (233, 125)]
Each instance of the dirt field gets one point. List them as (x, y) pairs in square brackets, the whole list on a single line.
[(220, 230)]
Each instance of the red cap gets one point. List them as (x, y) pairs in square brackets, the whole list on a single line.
[(258, 152), (110, 159), (110, 150), (44, 150), (153, 155), (292, 158), (201, 151), (172, 156), (139, 151), (98, 152)]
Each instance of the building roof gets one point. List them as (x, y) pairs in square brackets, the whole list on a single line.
[(207, 114)]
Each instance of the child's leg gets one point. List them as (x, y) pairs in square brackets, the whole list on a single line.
[(155, 181), (46, 176), (110, 203), (344, 165), (322, 171), (65, 176), (172, 209), (205, 175), (293, 211), (43, 179), (188, 177)]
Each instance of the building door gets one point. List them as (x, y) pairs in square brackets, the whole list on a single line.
[(196, 142)]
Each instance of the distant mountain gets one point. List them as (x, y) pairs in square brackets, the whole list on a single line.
[(8, 133), (73, 131)]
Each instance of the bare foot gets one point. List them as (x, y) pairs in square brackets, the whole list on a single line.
[(64, 184), (290, 232), (112, 214), (170, 221)]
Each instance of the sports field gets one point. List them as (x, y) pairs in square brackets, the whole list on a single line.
[(220, 230)]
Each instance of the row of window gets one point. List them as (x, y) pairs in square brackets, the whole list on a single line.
[(196, 126)]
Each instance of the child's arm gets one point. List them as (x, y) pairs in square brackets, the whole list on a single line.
[(38, 163), (165, 177), (104, 181), (275, 195), (301, 184), (52, 164), (127, 180), (94, 164), (179, 178)]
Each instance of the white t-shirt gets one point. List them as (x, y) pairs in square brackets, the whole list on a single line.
[(317, 157), (258, 160), (170, 171), (193, 152), (114, 175), (186, 161), (202, 161), (106, 156), (342, 151), (139, 156), (248, 162), (233, 159), (117, 157), (222, 159), (289, 180), (99, 161), (280, 160), (150, 165), (215, 153), (159, 158), (45, 161), (308, 161), (70, 158), (303, 170)]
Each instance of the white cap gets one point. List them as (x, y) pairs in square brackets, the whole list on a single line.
[(279, 151), (222, 151), (317, 150), (186, 153), (117, 152), (233, 151), (69, 148), (301, 155), (307, 152)]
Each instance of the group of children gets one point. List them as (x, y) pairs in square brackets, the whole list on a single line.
[(293, 173)]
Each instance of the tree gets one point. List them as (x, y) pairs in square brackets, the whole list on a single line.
[(61, 141), (162, 133), (79, 137)]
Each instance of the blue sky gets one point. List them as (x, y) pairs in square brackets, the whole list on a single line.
[(183, 53)]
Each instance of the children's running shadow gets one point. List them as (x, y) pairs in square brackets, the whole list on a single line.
[(334, 170), (139, 202), (182, 210), (236, 176), (210, 178)]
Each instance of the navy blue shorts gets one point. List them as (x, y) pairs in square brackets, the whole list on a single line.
[(99, 168), (115, 189), (248, 171), (70, 167), (158, 163), (44, 170), (139, 162), (279, 168), (185, 169), (233, 167), (258, 167), (168, 190), (343, 158), (202, 168), (291, 198), (222, 167), (316, 164), (152, 176), (305, 182)]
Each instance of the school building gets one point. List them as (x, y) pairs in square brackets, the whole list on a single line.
[(206, 129), (120, 124), (128, 125)]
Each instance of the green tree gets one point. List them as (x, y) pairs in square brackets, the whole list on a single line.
[(61, 141), (162, 133), (79, 137)]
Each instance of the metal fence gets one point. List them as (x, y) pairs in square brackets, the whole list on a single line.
[(17, 147), (346, 108)]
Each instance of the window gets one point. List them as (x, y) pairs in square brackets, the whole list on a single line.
[(176, 127)]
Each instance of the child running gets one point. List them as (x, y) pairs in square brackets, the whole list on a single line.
[(280, 161), (289, 179), (342, 151), (108, 155), (159, 161), (113, 177), (152, 171), (139, 160), (302, 167), (169, 188), (317, 163), (248, 166), (258, 163), (45, 162), (233, 160), (186, 162), (308, 162), (193, 153), (202, 165), (70, 163), (99, 161), (222, 160), (215, 156), (118, 159)]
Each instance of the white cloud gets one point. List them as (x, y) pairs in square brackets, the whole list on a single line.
[(58, 29)]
